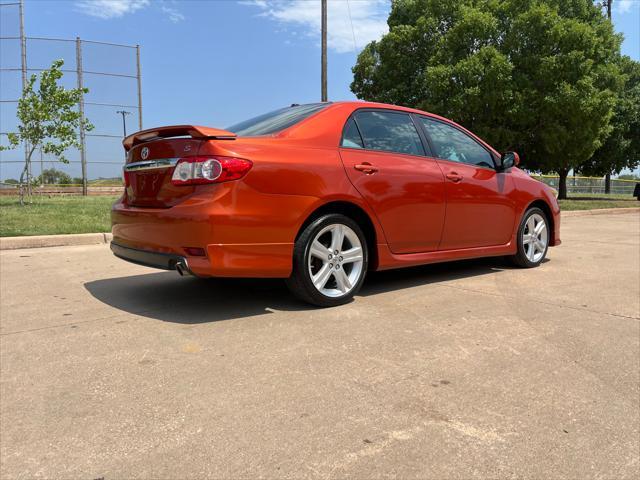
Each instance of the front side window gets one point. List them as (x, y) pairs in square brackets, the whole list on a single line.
[(276, 121), (389, 132), (452, 144)]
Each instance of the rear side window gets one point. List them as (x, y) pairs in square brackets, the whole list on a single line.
[(452, 144), (389, 132), (351, 137), (276, 121)]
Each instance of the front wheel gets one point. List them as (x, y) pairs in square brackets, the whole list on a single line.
[(329, 261), (533, 239)]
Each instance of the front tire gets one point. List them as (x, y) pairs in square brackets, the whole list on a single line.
[(533, 239), (330, 260)]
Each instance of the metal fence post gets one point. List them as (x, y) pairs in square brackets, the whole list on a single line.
[(83, 156), (23, 61), (139, 77)]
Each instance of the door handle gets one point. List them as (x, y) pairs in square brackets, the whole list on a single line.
[(366, 168), (454, 177)]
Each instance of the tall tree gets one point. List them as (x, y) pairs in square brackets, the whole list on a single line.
[(621, 149), (48, 119), (538, 76), (53, 176)]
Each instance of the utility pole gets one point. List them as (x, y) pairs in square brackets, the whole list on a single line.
[(324, 96), (124, 126), (124, 122)]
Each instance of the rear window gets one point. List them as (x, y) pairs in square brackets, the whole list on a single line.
[(276, 121)]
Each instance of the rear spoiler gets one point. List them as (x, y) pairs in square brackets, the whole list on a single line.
[(192, 131)]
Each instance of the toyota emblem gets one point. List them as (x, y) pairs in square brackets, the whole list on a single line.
[(144, 153)]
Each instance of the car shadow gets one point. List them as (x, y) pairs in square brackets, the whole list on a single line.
[(168, 297)]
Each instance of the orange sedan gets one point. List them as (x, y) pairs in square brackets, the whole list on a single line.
[(321, 193)]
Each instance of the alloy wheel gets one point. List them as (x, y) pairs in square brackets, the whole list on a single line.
[(535, 238), (335, 260)]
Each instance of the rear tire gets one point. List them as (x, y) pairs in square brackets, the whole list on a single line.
[(533, 239), (330, 260)]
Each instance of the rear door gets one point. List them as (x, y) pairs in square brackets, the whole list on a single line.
[(481, 207), (386, 161)]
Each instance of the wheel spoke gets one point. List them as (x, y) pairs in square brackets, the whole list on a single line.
[(321, 278), (318, 250), (352, 255), (527, 238), (337, 237), (531, 251), (342, 280), (541, 227), (531, 225)]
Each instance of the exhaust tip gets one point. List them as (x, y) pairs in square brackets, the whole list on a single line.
[(182, 269)]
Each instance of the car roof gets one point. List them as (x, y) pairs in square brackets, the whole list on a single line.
[(358, 104)]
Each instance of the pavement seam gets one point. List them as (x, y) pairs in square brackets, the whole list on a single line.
[(482, 292), (610, 243), (535, 300), (61, 325)]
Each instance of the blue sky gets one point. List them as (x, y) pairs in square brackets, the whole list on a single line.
[(210, 62)]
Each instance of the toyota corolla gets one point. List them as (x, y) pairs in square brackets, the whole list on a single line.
[(320, 194)]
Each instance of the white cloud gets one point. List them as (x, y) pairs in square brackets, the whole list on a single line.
[(107, 9), (623, 6), (173, 14), (368, 17), (110, 8)]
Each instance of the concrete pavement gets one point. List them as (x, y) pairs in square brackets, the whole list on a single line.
[(462, 370)]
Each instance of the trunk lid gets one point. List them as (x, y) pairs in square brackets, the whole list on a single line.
[(152, 155)]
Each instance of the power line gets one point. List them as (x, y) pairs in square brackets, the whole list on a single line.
[(353, 32)]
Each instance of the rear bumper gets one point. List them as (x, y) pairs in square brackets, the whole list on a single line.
[(164, 261), (240, 238)]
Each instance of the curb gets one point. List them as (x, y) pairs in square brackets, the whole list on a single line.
[(38, 241), (600, 211)]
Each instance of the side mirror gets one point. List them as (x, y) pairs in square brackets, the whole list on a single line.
[(509, 159)]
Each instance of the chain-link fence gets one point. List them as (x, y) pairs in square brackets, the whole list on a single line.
[(589, 185), (112, 74)]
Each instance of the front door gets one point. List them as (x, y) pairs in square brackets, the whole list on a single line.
[(481, 210), (385, 160)]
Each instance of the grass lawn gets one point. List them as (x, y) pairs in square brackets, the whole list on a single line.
[(55, 215), (578, 201), (76, 214)]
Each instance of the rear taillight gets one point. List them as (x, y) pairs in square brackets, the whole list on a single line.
[(208, 169)]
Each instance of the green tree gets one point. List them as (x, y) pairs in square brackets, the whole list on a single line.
[(536, 76), (621, 149), (48, 119), (52, 176)]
